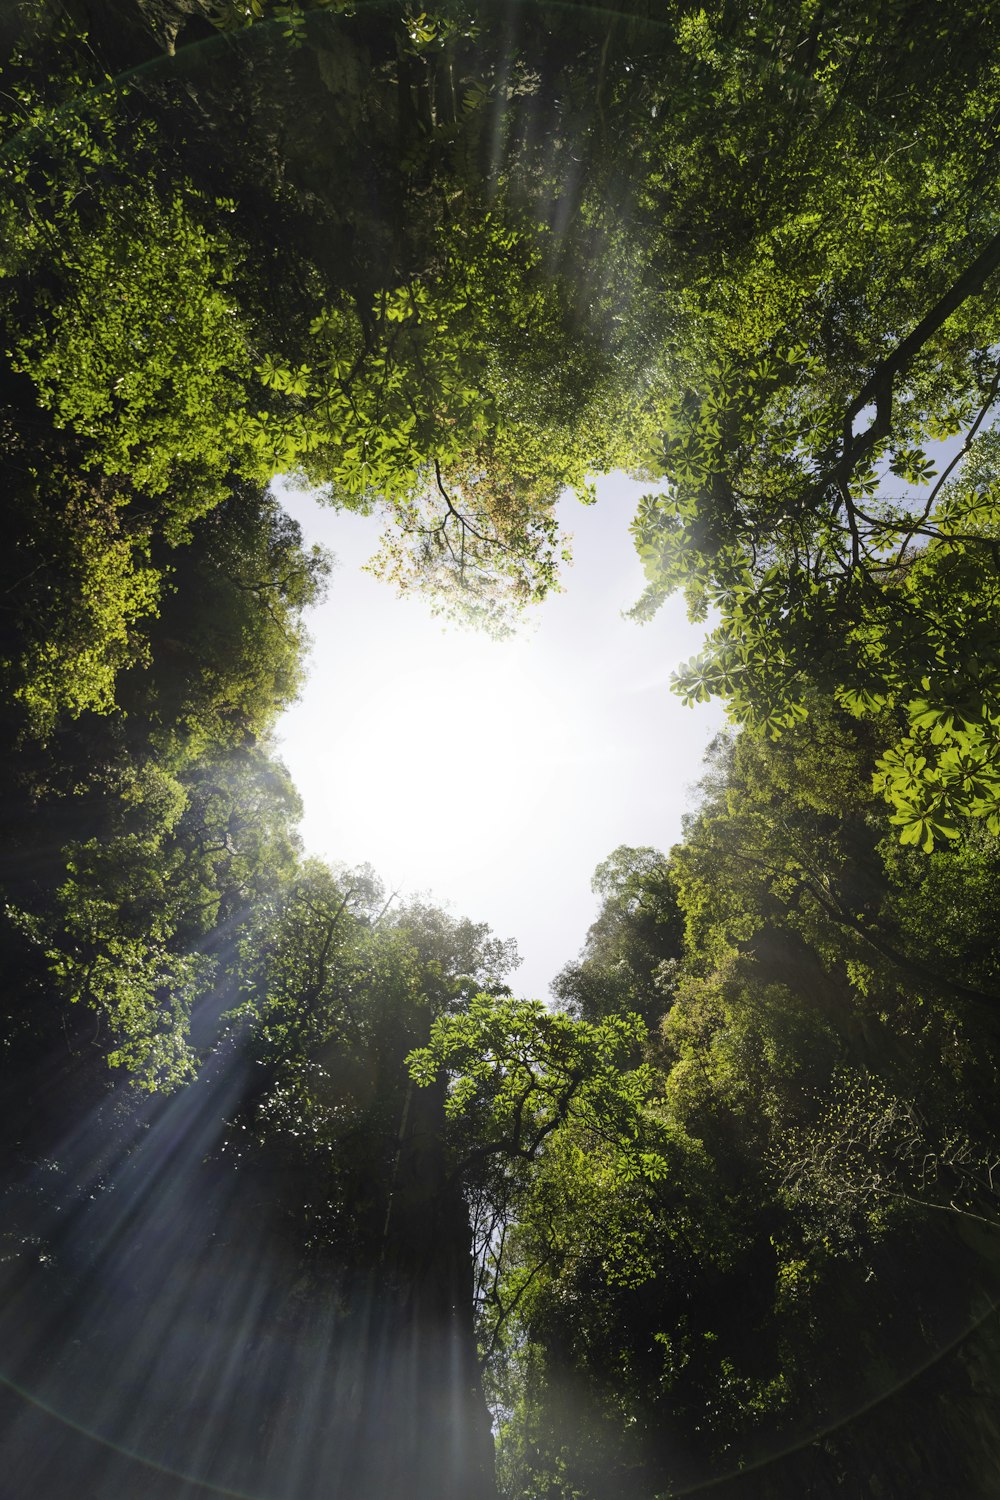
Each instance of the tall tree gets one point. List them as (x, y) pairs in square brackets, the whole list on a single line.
[(840, 325), (727, 1286)]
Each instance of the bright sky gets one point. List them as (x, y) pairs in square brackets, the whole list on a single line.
[(494, 776)]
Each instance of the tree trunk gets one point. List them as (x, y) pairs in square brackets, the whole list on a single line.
[(428, 1258)]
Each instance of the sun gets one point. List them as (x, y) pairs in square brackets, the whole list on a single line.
[(493, 776), (441, 756)]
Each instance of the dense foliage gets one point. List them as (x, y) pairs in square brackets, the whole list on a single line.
[(298, 1196), (772, 1246)]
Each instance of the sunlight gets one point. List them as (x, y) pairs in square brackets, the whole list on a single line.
[(495, 775), (439, 751), (466, 1068)]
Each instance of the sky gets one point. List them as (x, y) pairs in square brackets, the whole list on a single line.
[(493, 776)]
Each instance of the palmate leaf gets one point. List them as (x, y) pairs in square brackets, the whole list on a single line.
[(698, 680), (913, 465), (924, 831)]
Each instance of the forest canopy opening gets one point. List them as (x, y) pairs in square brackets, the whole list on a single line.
[(301, 1194)]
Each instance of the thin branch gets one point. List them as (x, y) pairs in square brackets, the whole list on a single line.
[(488, 541), (878, 389), (829, 903), (970, 435)]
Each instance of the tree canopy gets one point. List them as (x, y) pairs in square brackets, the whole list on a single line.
[(299, 1195)]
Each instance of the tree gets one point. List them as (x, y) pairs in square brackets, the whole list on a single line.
[(257, 1110), (290, 1203), (831, 338), (704, 1284), (633, 948), (459, 382)]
